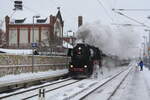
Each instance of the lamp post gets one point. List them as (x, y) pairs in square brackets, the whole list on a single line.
[(33, 44), (147, 30), (141, 53), (146, 49), (148, 45), (143, 44)]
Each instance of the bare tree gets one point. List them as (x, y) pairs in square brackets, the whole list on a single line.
[(2, 38)]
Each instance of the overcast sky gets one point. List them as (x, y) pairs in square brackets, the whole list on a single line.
[(91, 10)]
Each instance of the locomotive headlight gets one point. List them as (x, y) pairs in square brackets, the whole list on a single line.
[(71, 66), (85, 66)]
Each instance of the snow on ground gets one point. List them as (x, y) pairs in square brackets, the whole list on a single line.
[(70, 92), (105, 91), (29, 76), (105, 72), (66, 93), (102, 74), (16, 51), (135, 87)]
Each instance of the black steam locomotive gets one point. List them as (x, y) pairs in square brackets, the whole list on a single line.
[(83, 59)]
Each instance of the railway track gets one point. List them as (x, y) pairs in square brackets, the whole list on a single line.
[(32, 92), (81, 89), (107, 91), (6, 87), (84, 88)]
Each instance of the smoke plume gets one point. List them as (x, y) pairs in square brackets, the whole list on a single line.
[(120, 41)]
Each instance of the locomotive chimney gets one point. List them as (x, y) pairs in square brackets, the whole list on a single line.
[(80, 21)]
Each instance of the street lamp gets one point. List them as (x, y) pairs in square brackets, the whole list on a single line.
[(33, 27), (143, 51), (146, 49), (148, 45), (147, 30), (33, 44)]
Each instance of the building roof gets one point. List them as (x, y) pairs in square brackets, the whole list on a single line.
[(59, 16), (26, 17)]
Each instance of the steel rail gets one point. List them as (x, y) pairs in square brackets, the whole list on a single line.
[(103, 84), (16, 93), (51, 90), (115, 90)]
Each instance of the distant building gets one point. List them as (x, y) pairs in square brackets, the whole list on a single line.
[(70, 39), (47, 32)]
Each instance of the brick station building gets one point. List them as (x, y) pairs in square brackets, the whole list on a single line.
[(47, 32)]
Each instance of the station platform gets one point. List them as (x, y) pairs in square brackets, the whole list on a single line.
[(136, 86)]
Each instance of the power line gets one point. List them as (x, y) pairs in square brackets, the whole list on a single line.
[(127, 25), (131, 9), (105, 10), (131, 19), (31, 10)]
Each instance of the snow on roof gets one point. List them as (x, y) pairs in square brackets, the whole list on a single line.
[(28, 15), (67, 45), (16, 51)]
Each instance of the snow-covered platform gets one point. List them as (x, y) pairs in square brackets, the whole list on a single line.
[(24, 78), (136, 86)]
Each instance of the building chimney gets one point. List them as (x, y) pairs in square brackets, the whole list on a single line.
[(52, 22), (80, 21), (7, 20), (52, 19)]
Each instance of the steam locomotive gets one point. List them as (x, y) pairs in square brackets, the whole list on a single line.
[(83, 59)]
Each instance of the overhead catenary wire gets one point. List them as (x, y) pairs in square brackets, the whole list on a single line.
[(105, 10), (120, 13), (131, 9), (127, 24)]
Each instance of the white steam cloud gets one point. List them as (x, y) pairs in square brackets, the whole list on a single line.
[(121, 42)]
